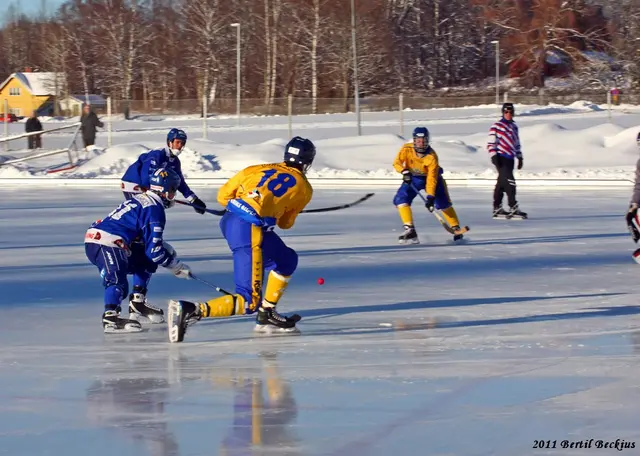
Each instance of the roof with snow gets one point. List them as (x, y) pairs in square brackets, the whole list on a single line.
[(92, 99), (39, 84)]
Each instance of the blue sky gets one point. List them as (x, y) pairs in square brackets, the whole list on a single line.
[(32, 7)]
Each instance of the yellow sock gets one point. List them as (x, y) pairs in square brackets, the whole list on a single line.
[(276, 286), (405, 214), (224, 306), (450, 216)]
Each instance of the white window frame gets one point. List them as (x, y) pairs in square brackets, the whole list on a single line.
[(16, 111), (14, 91)]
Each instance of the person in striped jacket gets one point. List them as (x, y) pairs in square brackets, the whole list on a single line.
[(504, 149)]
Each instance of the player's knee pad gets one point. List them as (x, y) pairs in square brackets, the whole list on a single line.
[(288, 264), (401, 199), (404, 195), (114, 294)]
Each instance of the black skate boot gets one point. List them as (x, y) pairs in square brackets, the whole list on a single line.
[(499, 213), (457, 237), (140, 309), (516, 213), (112, 323), (181, 315), (269, 321), (409, 236)]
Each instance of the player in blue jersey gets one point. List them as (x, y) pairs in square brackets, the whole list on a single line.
[(109, 245), (136, 179)]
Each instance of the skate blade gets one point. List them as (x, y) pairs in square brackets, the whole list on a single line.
[(411, 241), (503, 217), (274, 330), (153, 319), (128, 329)]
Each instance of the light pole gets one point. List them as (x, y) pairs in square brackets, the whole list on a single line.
[(497, 43), (238, 75), (356, 89)]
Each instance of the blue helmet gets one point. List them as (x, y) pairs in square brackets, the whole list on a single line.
[(165, 182), (421, 132), (301, 152), (176, 133)]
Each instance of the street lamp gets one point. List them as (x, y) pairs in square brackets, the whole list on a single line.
[(497, 43), (237, 26), (356, 90)]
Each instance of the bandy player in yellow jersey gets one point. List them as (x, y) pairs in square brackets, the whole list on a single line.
[(418, 164), (257, 199)]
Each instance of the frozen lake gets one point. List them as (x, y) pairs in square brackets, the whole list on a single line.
[(529, 331)]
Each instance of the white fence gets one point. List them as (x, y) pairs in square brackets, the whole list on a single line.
[(295, 106), (71, 150)]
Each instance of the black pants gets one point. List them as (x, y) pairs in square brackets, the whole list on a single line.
[(89, 140), (35, 142), (506, 183)]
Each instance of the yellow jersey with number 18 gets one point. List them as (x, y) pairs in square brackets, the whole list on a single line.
[(273, 190)]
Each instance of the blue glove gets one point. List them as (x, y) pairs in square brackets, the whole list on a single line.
[(429, 203)]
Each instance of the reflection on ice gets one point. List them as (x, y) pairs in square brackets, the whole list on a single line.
[(132, 407)]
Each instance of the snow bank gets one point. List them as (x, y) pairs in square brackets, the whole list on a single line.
[(551, 151)]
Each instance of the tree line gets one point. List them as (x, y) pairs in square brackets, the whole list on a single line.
[(181, 49)]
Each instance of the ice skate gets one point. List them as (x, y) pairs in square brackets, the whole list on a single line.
[(269, 321), (140, 310), (515, 213), (499, 213), (409, 236), (112, 323), (457, 236), (181, 314)]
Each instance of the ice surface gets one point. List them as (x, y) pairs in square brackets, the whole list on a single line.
[(529, 331)]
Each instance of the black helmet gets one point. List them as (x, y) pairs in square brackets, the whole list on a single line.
[(301, 152), (508, 107)]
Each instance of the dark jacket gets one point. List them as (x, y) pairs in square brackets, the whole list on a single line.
[(635, 199), (33, 124), (90, 123)]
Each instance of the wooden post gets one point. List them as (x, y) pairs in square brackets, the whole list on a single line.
[(401, 106), (290, 113), (109, 143), (204, 117), (6, 123)]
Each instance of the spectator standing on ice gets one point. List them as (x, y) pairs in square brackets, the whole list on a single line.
[(504, 149), (33, 124), (89, 124), (632, 214)]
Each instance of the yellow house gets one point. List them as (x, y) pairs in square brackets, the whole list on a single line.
[(26, 92)]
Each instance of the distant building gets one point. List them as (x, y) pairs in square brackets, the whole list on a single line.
[(72, 105), (29, 91)]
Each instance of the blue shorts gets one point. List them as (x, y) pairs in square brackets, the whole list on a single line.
[(255, 250), (405, 194), (114, 266)]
